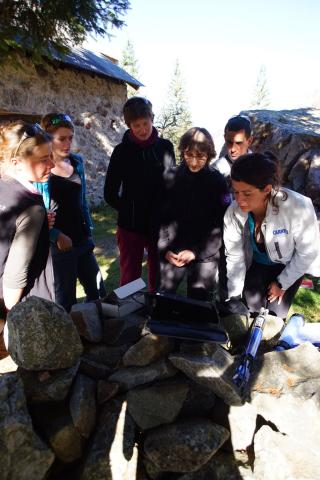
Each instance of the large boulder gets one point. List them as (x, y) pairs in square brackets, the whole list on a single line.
[(157, 404), (294, 136), (47, 386), (42, 336), (23, 456), (213, 369), (184, 446)]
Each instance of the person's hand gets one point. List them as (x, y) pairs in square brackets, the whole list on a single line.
[(275, 292), (185, 257), (172, 258), (64, 243), (51, 218)]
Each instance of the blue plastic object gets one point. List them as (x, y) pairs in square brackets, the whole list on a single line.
[(242, 375), (297, 332)]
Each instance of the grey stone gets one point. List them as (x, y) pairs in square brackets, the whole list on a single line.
[(156, 404), (42, 336), (223, 466), (112, 454), (107, 355), (278, 456), (288, 371), (123, 331), (294, 136), (47, 386), (147, 350), (214, 371), (64, 439), (291, 416), (242, 424), (83, 405), (23, 456), (184, 446), (93, 369), (87, 321), (199, 401), (237, 327), (131, 377), (106, 391)]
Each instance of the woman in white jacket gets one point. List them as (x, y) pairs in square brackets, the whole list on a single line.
[(271, 238)]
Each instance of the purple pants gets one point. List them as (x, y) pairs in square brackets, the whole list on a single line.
[(131, 246)]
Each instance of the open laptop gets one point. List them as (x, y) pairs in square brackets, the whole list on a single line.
[(176, 316)]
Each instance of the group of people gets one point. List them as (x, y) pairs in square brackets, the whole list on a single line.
[(226, 224), (250, 251), (46, 229)]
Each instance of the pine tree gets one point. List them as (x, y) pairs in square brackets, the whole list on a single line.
[(130, 64), (261, 96), (175, 117), (34, 27)]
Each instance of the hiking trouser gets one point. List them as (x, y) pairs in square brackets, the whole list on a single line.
[(131, 246), (255, 291)]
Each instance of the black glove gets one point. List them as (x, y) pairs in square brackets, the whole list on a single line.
[(233, 306)]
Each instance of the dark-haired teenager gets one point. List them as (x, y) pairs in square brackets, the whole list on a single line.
[(191, 231), (134, 187), (271, 237), (71, 237), (238, 138)]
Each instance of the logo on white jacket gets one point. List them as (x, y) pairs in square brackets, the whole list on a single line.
[(280, 231)]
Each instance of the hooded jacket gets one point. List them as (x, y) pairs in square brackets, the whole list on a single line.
[(193, 214), (291, 235), (134, 183)]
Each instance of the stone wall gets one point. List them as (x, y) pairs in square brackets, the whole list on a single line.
[(100, 398), (94, 103)]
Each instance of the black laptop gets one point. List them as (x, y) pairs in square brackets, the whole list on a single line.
[(176, 316)]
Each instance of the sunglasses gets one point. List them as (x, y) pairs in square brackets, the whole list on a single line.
[(60, 117), (31, 130)]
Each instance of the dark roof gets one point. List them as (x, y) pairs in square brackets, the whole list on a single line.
[(90, 62)]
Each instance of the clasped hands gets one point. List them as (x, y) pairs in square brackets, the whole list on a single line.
[(180, 259)]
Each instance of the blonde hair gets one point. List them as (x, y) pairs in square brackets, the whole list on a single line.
[(10, 141)]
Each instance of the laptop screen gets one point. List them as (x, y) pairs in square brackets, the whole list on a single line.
[(171, 307)]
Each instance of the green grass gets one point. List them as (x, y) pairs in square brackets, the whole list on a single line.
[(306, 301)]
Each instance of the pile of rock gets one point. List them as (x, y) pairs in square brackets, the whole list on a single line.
[(96, 398), (294, 136)]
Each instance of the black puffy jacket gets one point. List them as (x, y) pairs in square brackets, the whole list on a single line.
[(194, 207)]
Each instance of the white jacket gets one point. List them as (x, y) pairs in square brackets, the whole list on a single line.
[(291, 234), (223, 164)]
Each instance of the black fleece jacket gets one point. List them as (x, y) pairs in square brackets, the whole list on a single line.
[(135, 183), (192, 219)]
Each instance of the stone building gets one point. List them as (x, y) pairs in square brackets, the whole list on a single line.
[(91, 89)]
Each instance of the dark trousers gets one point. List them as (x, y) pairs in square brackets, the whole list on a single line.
[(131, 246), (201, 278), (79, 263), (257, 280)]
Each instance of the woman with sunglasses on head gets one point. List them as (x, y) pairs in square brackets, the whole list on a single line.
[(25, 155), (271, 237), (191, 232), (71, 236)]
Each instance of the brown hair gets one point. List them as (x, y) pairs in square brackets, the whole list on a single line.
[(258, 170), (199, 139), (11, 145), (52, 121), (137, 107)]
